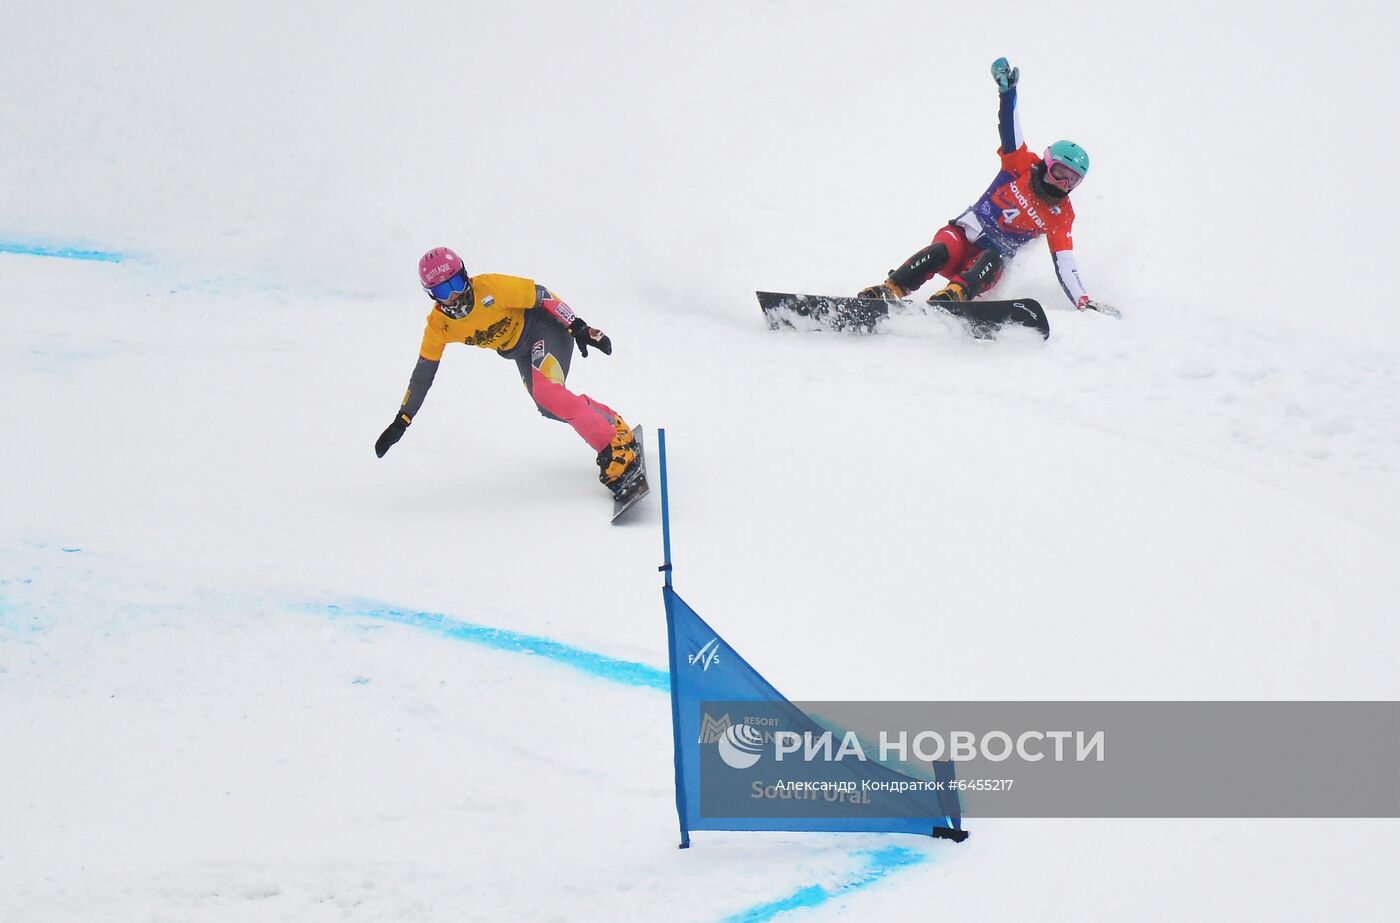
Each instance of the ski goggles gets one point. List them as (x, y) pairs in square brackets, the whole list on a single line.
[(449, 287), (1065, 176)]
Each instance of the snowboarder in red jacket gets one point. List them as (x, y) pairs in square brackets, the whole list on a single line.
[(1029, 198)]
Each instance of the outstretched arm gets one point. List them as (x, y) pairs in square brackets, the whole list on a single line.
[(418, 384), (1067, 269), (1008, 122)]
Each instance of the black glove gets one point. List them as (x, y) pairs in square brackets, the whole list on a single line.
[(391, 435), (586, 336)]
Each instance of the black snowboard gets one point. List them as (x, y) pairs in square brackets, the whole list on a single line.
[(634, 486), (863, 315)]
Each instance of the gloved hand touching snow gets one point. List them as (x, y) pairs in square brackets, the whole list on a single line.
[(1086, 303)]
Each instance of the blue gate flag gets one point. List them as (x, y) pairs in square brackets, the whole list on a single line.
[(724, 713)]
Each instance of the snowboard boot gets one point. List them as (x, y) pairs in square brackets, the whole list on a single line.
[(953, 291), (616, 458), (888, 290)]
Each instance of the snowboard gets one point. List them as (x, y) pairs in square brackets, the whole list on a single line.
[(862, 315), (634, 484)]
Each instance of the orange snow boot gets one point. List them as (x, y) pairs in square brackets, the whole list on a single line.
[(953, 291), (617, 457), (888, 290)]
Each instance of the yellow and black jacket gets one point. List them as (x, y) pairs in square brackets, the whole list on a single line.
[(494, 322)]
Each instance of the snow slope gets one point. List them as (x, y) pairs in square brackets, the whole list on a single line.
[(224, 693)]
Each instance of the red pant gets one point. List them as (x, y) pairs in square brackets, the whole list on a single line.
[(542, 356), (961, 252)]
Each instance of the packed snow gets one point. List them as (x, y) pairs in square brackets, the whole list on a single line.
[(234, 683)]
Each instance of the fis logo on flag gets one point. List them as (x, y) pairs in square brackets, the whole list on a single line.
[(707, 655)]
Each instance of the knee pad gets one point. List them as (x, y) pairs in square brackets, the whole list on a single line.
[(919, 268), (984, 272)]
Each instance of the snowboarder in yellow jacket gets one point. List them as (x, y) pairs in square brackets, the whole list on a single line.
[(524, 322)]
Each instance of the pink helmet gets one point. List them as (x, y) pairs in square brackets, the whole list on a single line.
[(438, 265)]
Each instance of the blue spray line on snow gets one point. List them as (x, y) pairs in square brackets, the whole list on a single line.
[(63, 253), (876, 865), (626, 672), (880, 863)]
